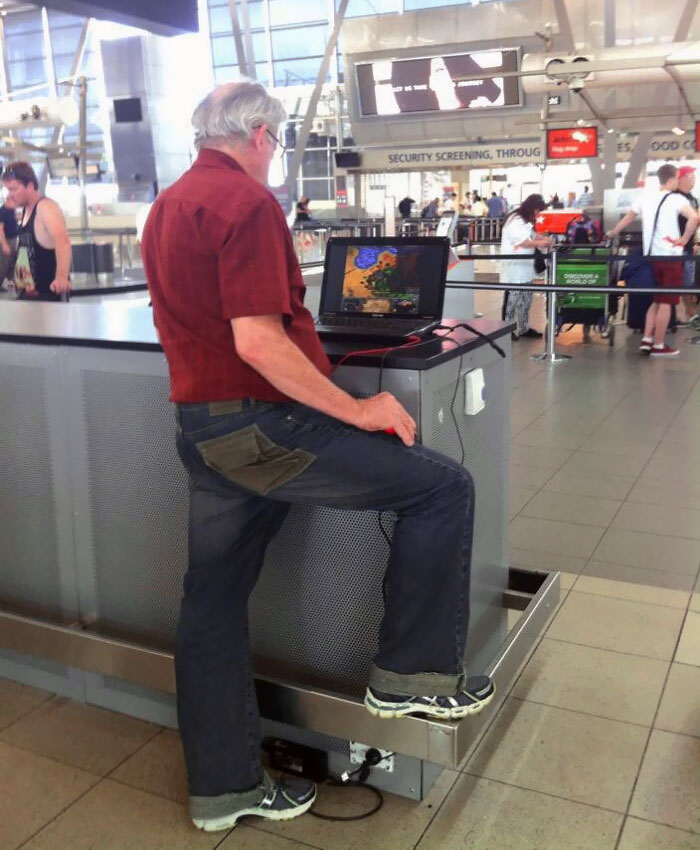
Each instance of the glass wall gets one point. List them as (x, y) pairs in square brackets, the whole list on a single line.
[(39, 56)]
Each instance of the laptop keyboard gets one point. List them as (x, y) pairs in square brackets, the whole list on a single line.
[(368, 322)]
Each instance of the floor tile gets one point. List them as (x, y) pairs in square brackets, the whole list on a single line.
[(622, 445), (688, 651), (594, 681), (676, 473), (695, 602), (649, 551), (633, 591), (680, 706), (642, 835), (567, 580), (397, 826), (80, 735), (618, 625), (483, 815), (114, 817), (633, 575), (528, 476), (655, 492), (668, 789), (158, 768), (17, 700), (580, 484), (547, 457), (659, 519), (245, 837), (546, 436), (545, 561), (566, 507), (543, 535), (34, 791), (604, 465), (519, 497), (562, 753)]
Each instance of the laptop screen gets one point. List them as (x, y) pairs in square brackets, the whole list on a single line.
[(401, 278)]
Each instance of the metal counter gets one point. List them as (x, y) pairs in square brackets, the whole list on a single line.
[(93, 551)]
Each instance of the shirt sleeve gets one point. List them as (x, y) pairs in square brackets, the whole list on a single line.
[(253, 264)]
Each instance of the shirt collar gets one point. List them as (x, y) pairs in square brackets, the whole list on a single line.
[(211, 158)]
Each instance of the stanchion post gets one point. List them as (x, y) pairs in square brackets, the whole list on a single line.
[(550, 355)]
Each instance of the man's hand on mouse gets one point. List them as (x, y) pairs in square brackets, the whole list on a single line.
[(384, 413)]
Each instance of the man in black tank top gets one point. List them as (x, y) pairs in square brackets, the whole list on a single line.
[(43, 245)]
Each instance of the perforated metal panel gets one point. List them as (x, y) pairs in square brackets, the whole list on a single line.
[(138, 502), (318, 603), (29, 570)]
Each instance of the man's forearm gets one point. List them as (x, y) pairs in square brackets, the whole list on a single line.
[(63, 258), (288, 369), (691, 225)]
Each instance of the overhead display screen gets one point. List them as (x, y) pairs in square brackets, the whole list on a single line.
[(163, 17), (572, 143), (438, 83)]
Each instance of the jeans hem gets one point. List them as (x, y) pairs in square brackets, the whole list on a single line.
[(415, 684), (227, 804)]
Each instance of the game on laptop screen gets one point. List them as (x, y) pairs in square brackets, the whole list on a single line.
[(396, 280)]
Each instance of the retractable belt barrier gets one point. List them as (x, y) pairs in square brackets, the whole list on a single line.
[(550, 354)]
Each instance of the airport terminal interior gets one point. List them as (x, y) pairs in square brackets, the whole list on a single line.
[(469, 189)]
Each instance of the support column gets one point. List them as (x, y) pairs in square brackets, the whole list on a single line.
[(638, 160)]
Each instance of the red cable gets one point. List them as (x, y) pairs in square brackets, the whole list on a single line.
[(412, 340)]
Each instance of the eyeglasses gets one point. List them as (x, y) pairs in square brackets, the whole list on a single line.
[(274, 138)]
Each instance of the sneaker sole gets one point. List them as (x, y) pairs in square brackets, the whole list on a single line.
[(228, 822), (664, 353), (385, 711)]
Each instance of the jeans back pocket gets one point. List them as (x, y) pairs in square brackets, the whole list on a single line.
[(249, 458)]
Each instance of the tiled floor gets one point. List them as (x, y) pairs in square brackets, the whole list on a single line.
[(597, 746)]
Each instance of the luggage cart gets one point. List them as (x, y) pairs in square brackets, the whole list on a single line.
[(594, 310)]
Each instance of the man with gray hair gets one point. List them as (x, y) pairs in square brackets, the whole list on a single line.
[(261, 427)]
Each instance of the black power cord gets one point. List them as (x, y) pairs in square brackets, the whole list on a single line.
[(372, 758)]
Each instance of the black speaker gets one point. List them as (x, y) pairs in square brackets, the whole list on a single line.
[(347, 159), (127, 110)]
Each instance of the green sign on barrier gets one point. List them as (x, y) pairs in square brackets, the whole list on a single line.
[(582, 274)]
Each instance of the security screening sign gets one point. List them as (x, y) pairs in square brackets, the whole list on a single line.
[(511, 152), (572, 143)]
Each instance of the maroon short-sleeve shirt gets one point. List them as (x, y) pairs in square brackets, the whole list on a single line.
[(216, 247)]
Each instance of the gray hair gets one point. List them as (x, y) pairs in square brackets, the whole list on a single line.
[(231, 112)]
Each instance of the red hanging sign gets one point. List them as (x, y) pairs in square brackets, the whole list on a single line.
[(697, 137), (572, 143)]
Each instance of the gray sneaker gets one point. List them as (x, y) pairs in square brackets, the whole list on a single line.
[(287, 798), (477, 692)]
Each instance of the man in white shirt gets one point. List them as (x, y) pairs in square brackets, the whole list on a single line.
[(664, 239), (586, 199)]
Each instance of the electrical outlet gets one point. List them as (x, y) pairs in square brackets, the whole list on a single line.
[(359, 751)]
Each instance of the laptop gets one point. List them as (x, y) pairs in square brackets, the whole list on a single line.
[(387, 288)]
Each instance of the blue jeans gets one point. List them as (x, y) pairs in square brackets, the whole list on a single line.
[(247, 462)]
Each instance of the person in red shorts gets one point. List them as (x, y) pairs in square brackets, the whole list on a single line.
[(662, 237)]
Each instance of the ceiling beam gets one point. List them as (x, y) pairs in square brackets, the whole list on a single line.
[(686, 20), (565, 33)]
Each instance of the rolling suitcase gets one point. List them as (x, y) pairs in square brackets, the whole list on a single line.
[(637, 273)]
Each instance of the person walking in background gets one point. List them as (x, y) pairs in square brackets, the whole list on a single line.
[(495, 206), (8, 240), (586, 199), (662, 236), (504, 203), (518, 237), (405, 207), (44, 249), (479, 208), (302, 211), (571, 200), (686, 184)]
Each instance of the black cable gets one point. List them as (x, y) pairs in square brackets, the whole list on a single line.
[(473, 330), (372, 758), (364, 815)]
